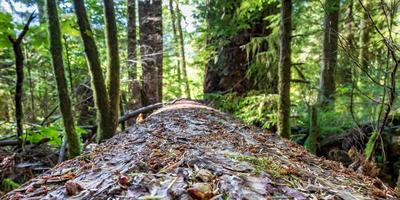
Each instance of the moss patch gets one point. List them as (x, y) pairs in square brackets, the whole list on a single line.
[(263, 164)]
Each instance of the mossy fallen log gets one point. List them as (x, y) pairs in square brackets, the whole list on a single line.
[(189, 151)]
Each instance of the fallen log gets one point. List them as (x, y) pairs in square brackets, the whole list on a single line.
[(189, 151)]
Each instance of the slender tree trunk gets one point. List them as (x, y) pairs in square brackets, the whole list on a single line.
[(311, 142), (330, 47), (176, 44), (182, 51), (19, 68), (113, 72), (105, 129), (284, 69), (151, 45), (134, 86), (346, 70), (73, 140), (364, 38), (41, 11), (131, 29), (71, 81), (33, 113)]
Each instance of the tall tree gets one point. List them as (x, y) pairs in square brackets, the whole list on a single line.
[(151, 45), (330, 47), (113, 72), (284, 69), (365, 37), (41, 11), (227, 69), (345, 74), (19, 68), (73, 140), (176, 43), (182, 50), (134, 86), (105, 127)]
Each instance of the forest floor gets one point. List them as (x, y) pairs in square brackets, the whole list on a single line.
[(186, 150)]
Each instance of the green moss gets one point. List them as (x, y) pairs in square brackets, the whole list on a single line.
[(8, 185), (369, 148), (263, 164)]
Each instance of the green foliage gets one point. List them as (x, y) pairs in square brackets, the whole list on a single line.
[(254, 108), (8, 185), (54, 133)]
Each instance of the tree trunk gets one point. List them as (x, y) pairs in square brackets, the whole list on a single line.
[(345, 74), (151, 45), (73, 140), (364, 38), (284, 69), (311, 142), (113, 72), (182, 51), (71, 81), (41, 11), (330, 47), (19, 68), (134, 85), (226, 70), (160, 158), (105, 129), (131, 38), (176, 44)]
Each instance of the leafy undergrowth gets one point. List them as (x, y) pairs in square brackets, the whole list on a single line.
[(189, 151)]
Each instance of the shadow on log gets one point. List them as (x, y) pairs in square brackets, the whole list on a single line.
[(189, 151)]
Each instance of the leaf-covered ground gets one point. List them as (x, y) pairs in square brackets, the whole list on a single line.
[(189, 151)]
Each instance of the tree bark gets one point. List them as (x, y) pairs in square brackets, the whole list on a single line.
[(73, 140), (182, 50), (105, 130), (131, 38), (330, 47), (71, 81), (151, 45), (226, 70), (364, 38), (160, 158), (113, 72), (284, 69), (176, 44), (346, 73), (134, 85), (41, 11), (19, 68)]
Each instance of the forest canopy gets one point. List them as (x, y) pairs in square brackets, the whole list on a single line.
[(323, 74)]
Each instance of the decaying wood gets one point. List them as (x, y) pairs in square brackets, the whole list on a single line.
[(189, 151)]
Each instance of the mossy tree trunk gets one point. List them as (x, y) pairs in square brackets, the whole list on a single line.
[(131, 39), (364, 38), (176, 44), (74, 143), (105, 127), (113, 72), (284, 69), (311, 142), (134, 85), (19, 68), (151, 45), (330, 48), (41, 11), (182, 50), (345, 71)]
